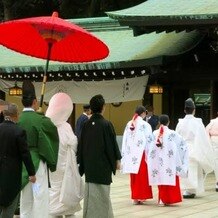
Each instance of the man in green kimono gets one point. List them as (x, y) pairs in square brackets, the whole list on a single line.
[(43, 141)]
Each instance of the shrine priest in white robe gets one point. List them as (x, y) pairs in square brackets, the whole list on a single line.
[(201, 157), (167, 161)]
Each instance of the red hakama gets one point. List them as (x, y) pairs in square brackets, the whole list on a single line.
[(169, 194), (140, 188)]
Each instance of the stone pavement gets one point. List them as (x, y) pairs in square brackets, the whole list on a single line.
[(205, 206)]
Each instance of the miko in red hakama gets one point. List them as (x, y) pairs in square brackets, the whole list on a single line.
[(170, 194), (140, 188)]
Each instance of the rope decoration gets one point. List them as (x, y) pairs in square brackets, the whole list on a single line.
[(159, 142), (132, 126)]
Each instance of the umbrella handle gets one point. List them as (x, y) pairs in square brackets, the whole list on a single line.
[(42, 93), (45, 77)]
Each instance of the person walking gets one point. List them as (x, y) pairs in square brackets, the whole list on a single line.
[(137, 138), (43, 142), (82, 119), (66, 190), (201, 157), (98, 158), (13, 152), (212, 130), (151, 118), (167, 161)]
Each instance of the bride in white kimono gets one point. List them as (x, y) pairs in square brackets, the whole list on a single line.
[(66, 189)]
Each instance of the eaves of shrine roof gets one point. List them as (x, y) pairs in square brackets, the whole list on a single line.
[(169, 15), (129, 56)]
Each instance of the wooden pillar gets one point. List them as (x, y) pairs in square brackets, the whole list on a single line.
[(157, 104)]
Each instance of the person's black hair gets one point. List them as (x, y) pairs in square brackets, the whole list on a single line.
[(28, 93), (164, 119), (149, 108), (189, 110), (27, 102), (86, 106), (140, 109), (96, 103)]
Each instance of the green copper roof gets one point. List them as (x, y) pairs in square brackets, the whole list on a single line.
[(126, 51), (192, 9), (169, 15)]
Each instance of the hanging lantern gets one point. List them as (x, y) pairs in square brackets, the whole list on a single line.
[(155, 89), (15, 90)]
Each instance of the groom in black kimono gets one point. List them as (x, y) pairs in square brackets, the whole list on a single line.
[(98, 157)]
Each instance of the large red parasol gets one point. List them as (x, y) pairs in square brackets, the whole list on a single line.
[(51, 38)]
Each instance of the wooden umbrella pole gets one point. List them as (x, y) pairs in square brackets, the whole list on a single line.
[(45, 78)]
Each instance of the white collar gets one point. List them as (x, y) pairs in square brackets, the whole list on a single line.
[(28, 109)]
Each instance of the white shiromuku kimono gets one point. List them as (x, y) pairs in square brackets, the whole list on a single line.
[(67, 188), (35, 203), (165, 162), (201, 157), (212, 130), (134, 144)]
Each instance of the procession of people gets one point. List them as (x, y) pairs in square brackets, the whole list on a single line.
[(54, 158)]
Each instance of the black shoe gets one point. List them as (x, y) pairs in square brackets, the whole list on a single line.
[(216, 188), (189, 196), (17, 211)]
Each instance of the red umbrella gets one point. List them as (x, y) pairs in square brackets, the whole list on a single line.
[(51, 38)]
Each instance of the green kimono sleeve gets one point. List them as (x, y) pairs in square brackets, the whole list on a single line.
[(35, 159), (45, 149), (48, 143)]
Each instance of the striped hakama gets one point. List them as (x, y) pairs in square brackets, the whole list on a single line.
[(97, 202)]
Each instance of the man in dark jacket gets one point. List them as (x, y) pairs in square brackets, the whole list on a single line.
[(82, 119), (152, 119), (13, 151), (98, 157)]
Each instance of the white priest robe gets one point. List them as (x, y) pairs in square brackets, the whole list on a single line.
[(134, 144), (201, 157), (168, 161), (67, 188)]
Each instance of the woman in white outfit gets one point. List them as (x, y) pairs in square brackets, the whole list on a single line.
[(212, 130), (66, 184)]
